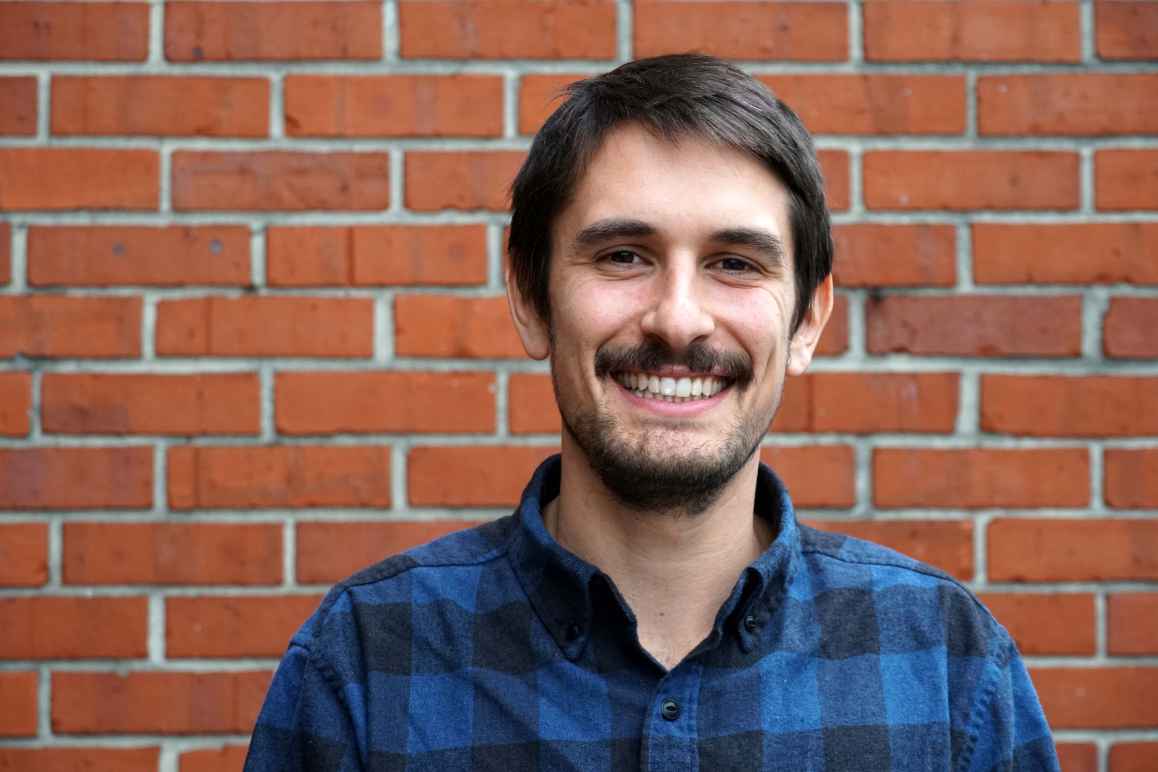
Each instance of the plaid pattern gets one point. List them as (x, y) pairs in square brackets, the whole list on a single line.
[(496, 649)]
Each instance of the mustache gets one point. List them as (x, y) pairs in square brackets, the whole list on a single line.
[(653, 354)]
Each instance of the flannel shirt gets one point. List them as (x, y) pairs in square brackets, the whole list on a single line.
[(495, 648)]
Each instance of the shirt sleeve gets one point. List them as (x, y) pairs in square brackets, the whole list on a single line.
[(1008, 729), (303, 725)]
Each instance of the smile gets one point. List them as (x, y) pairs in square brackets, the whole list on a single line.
[(668, 389)]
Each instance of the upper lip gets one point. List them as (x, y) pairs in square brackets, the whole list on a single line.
[(679, 371)]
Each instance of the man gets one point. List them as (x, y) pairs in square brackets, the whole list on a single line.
[(653, 602)]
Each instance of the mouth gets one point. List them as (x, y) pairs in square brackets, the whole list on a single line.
[(667, 388)]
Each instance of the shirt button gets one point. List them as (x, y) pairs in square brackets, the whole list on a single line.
[(751, 624), (670, 710)]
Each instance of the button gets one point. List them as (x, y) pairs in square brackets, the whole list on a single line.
[(751, 624), (573, 632), (670, 710)]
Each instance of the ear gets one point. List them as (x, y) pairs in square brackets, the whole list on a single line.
[(806, 337), (531, 328)]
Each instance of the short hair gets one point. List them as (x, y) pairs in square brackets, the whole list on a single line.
[(671, 96)]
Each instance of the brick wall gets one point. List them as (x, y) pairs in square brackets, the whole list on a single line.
[(251, 323)]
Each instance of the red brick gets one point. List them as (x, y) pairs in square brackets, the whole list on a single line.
[(234, 626), (539, 96), (276, 476), (362, 402), (214, 759), (946, 544), (280, 180), (484, 476), (58, 326), (834, 340), (1068, 406), (972, 30), (1126, 29), (976, 325), (1132, 623), (72, 759), (5, 253), (448, 326), (972, 478), (863, 403), (873, 255), (157, 702), (394, 106), (78, 178), (460, 179), (374, 255), (834, 167), (1077, 757), (229, 30), (815, 32), (330, 551), (73, 628), (1126, 179), (970, 179), (1133, 757), (18, 696), (172, 553), (507, 29), (266, 326), (1130, 481), (94, 31), (1128, 328), (23, 554), (1051, 549), (1065, 253), (874, 104), (15, 402), (1046, 623), (1098, 697), (1067, 105), (154, 105), (817, 475), (76, 478), (531, 407), (18, 95), (210, 403), (107, 256)]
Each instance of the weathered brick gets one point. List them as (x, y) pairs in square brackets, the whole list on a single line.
[(1044, 623), (172, 553), (1133, 756), (94, 31), (946, 544), (133, 255), (972, 30), (5, 253), (210, 403), (447, 326), (1089, 104), (157, 105), (814, 32), (234, 626), (329, 551), (1077, 757), (394, 105), (23, 554), (59, 326), (1126, 29), (156, 702), (817, 475), (18, 696), (15, 403), (874, 255), (976, 325), (874, 104), (834, 167), (1056, 550), (266, 326), (74, 759), (1126, 179), (361, 402), (531, 407), (373, 255), (484, 476), (1128, 328), (230, 30), (1130, 481), (504, 29), (539, 95), (1068, 406), (1065, 253), (18, 95), (970, 179), (1132, 623), (1098, 697), (973, 478), (214, 759), (276, 476), (863, 403), (78, 178), (470, 179), (73, 628), (834, 340), (280, 180), (76, 478)]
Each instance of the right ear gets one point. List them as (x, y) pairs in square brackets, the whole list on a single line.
[(532, 329)]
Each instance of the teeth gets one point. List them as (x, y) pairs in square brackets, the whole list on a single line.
[(671, 389), (683, 387), (697, 386), (667, 387)]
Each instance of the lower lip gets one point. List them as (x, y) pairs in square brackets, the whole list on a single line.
[(678, 409)]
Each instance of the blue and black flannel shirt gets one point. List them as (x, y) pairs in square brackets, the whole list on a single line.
[(494, 648)]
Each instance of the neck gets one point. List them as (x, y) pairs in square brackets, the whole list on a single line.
[(675, 570)]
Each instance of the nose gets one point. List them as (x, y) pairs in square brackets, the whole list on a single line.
[(677, 313)]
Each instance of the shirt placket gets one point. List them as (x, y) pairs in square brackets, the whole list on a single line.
[(670, 732)]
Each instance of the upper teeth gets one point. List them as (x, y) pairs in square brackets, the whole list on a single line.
[(671, 387)]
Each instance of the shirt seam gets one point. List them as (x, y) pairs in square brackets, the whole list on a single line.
[(332, 682), (997, 662)]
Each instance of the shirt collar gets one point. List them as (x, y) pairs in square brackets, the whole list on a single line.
[(559, 583)]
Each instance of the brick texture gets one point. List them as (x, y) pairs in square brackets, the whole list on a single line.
[(484, 476), (444, 326), (23, 554), (329, 551), (213, 759), (1126, 29), (1133, 623), (946, 544), (870, 255), (1073, 550), (1125, 179), (73, 759), (822, 475), (76, 478), (1097, 698), (1066, 105), (1046, 624), (462, 180), (1130, 481), (79, 628), (18, 96), (234, 626), (15, 404), (1132, 757), (59, 326), (108, 31), (874, 104), (1063, 406), (78, 178), (1080, 253), (18, 696), (1127, 327), (863, 403)]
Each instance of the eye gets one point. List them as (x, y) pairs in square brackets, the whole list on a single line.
[(621, 257), (735, 265)]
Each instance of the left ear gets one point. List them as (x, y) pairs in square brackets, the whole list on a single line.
[(806, 337)]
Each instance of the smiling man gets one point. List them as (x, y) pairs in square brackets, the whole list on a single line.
[(653, 602)]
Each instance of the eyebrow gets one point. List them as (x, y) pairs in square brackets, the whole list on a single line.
[(602, 231), (769, 244)]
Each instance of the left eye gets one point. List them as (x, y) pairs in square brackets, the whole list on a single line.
[(621, 257), (734, 265)]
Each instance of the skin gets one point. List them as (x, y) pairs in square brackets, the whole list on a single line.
[(677, 273)]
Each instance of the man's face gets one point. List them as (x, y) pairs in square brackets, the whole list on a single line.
[(672, 294)]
